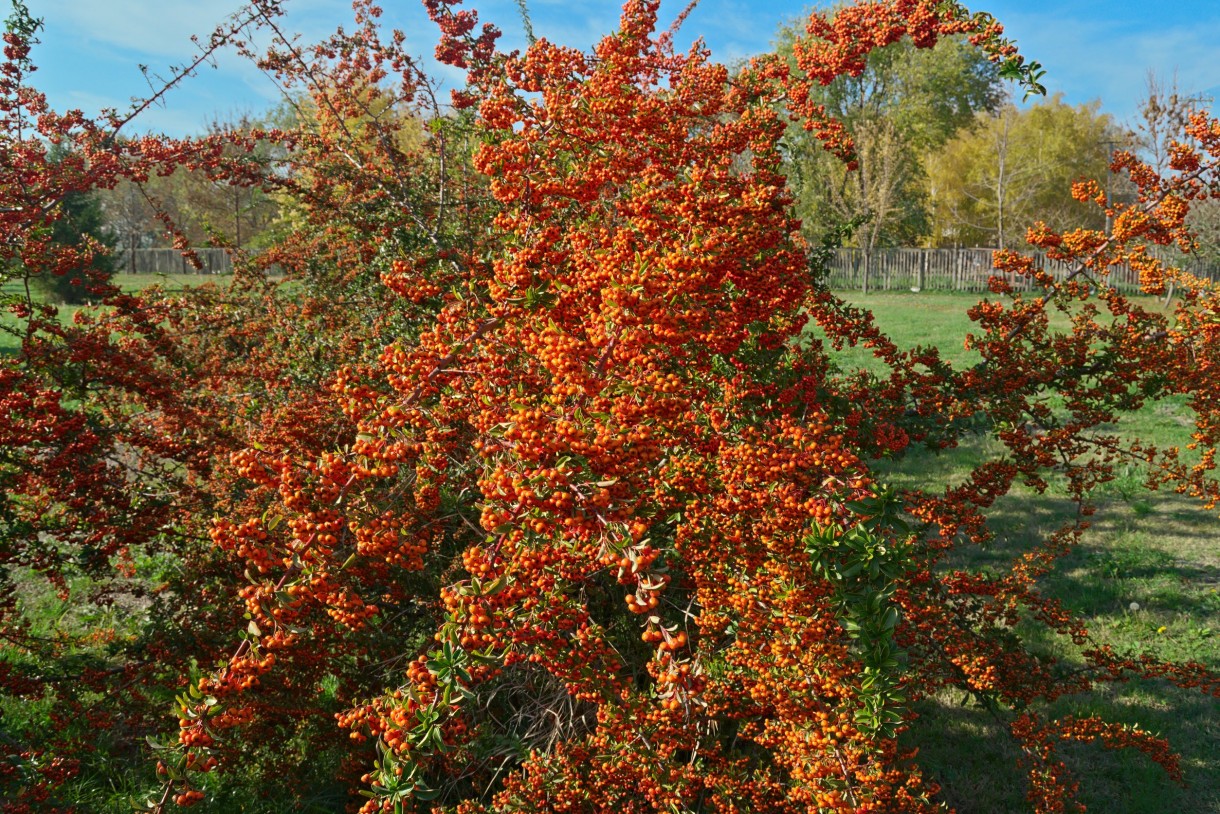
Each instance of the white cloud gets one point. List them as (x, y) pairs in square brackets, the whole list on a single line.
[(162, 29), (1087, 58)]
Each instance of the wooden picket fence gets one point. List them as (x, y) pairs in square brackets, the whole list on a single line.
[(967, 270), (172, 261)]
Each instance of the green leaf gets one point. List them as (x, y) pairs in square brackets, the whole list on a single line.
[(425, 794), (891, 618)]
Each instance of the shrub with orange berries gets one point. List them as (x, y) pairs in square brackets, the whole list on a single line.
[(527, 492)]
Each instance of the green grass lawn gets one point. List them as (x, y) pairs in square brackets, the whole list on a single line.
[(11, 342), (1146, 579), (170, 282), (933, 318)]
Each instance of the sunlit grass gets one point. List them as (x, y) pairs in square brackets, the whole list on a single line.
[(10, 325), (1146, 579)]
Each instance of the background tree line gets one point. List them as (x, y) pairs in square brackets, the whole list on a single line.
[(945, 158), (207, 207)]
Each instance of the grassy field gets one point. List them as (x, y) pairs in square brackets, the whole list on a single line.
[(1146, 579), (934, 318), (9, 342)]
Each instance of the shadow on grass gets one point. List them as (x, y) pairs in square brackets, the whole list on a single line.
[(976, 762), (1145, 578)]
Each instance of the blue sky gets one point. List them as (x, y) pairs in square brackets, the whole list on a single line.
[(1092, 49)]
